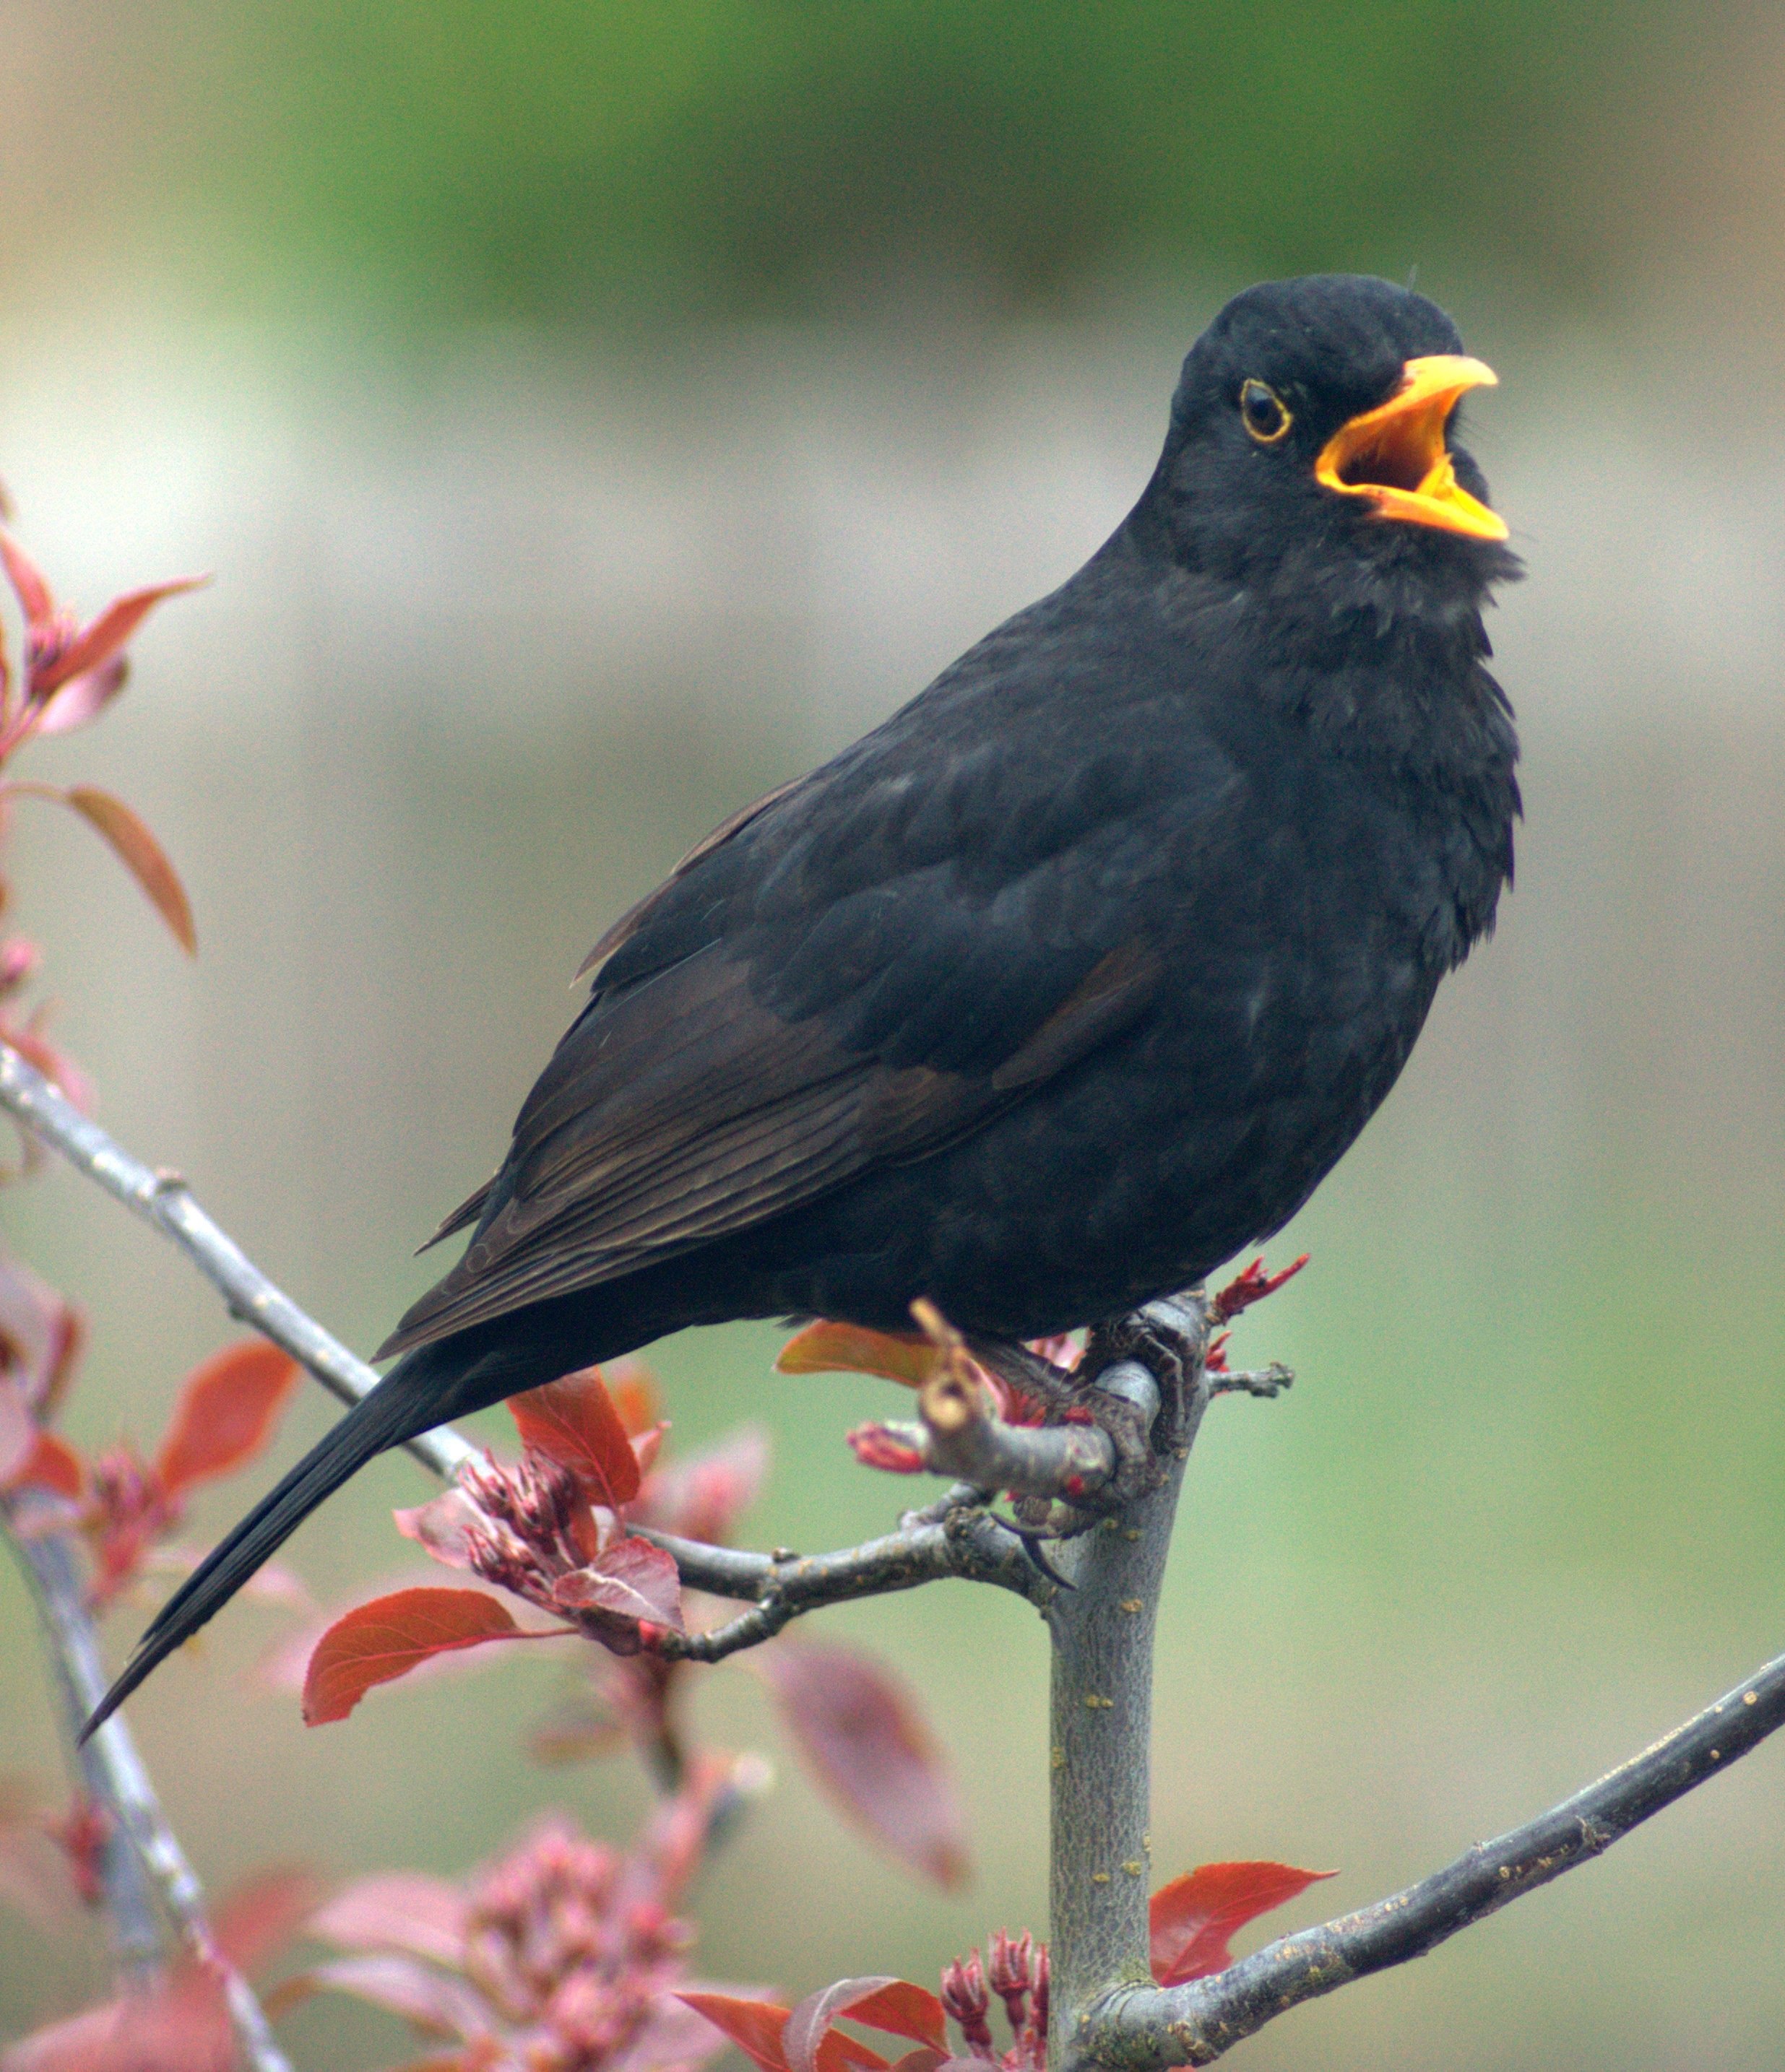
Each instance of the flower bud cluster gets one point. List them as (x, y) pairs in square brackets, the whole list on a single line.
[(574, 1942), (1016, 1970), (523, 1539)]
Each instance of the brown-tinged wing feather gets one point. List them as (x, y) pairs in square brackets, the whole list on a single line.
[(685, 1111)]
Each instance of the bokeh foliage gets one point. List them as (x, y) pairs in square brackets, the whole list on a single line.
[(627, 157)]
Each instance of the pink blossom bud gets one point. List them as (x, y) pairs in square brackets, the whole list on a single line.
[(964, 1997)]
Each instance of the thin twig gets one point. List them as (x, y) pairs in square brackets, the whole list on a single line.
[(1143, 2030), (966, 1543), (115, 1780), (164, 1200)]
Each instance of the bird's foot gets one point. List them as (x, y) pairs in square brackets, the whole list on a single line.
[(1134, 1384)]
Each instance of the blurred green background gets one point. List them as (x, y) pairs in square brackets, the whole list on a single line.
[(595, 412)]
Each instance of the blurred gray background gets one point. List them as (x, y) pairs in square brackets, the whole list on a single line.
[(594, 417)]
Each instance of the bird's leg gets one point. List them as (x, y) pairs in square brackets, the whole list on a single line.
[(1168, 1338), (1144, 1416)]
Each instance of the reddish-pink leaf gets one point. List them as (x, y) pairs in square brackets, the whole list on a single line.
[(755, 2026), (425, 1917), (573, 1422), (440, 1525), (50, 1463), (262, 1914), (634, 1396), (17, 1430), (95, 645), (860, 1729), (632, 1579), (432, 2000), (142, 855), (903, 2009), (34, 598), (829, 1348), (892, 2005), (225, 1412), (671, 2036), (377, 1643), (182, 2025), (60, 1071), (881, 1446), (703, 1496), (40, 1334), (82, 698), (37, 1879), (1194, 1918)]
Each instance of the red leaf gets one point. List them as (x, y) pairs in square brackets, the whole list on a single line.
[(755, 2026), (812, 2043), (1194, 1916), (425, 1917), (573, 1422), (861, 1731), (829, 1348), (262, 1915), (225, 1413), (1251, 1284), (34, 597), (377, 1643), (96, 644), (51, 1464), (82, 698), (142, 855), (893, 2005), (633, 1579), (880, 1447)]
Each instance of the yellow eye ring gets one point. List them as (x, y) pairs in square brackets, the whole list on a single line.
[(1264, 414)]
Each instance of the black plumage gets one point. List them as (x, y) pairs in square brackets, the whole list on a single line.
[(1072, 978)]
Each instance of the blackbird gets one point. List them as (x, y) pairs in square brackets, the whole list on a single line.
[(1070, 980)]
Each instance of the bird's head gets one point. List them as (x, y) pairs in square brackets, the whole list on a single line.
[(1311, 437)]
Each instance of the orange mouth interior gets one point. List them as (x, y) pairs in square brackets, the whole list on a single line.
[(1395, 456)]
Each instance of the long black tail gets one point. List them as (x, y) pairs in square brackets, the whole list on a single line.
[(406, 1402)]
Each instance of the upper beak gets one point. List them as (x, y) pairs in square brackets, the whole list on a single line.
[(1396, 457)]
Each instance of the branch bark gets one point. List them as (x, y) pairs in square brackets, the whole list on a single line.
[(144, 1861), (966, 1543), (1101, 1718)]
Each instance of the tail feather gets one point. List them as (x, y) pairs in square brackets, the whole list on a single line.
[(400, 1407)]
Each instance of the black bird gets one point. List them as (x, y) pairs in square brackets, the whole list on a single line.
[(1073, 977)]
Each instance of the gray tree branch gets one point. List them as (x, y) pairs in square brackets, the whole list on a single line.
[(142, 1853), (965, 1543), (1142, 2030)]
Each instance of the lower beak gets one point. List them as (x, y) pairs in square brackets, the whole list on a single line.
[(1395, 456)]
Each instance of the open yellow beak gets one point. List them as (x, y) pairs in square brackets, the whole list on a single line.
[(1395, 455)]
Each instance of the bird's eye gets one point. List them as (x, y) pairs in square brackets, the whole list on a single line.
[(1266, 415)]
